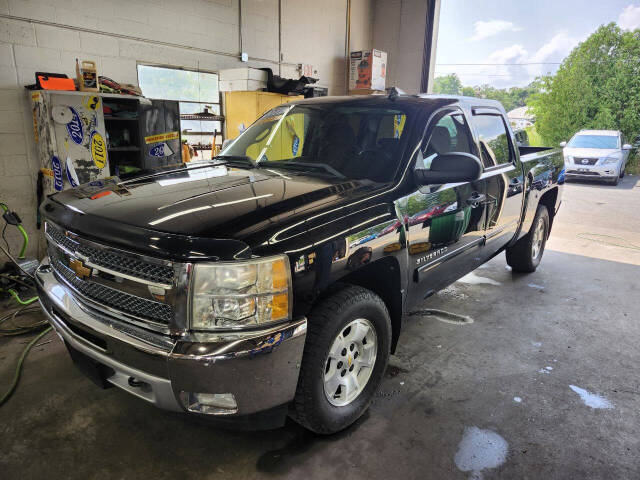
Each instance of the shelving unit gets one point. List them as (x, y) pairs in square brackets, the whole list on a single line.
[(123, 134)]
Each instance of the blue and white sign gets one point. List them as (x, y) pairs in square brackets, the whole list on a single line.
[(160, 150), (75, 129), (295, 145), (57, 173), (71, 173)]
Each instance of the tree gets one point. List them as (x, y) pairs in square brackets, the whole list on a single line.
[(449, 84), (510, 98), (597, 87)]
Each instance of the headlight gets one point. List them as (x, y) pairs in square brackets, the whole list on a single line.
[(240, 293), (609, 160)]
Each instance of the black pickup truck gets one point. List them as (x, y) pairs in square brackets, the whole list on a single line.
[(273, 280)]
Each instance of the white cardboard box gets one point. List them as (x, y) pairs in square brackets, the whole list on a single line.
[(244, 85), (367, 70), (243, 74)]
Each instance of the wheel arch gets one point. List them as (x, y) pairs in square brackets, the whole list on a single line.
[(383, 278), (549, 199)]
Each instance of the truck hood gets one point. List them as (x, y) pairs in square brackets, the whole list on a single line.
[(206, 202), (592, 152)]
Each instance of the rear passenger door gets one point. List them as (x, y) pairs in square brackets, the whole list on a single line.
[(444, 223), (502, 175)]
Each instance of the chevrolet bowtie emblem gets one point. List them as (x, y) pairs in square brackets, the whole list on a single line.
[(80, 270)]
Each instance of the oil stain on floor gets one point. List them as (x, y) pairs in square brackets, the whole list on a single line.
[(480, 450), (591, 399)]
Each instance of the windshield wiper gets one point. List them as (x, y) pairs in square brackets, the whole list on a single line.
[(237, 159), (304, 167)]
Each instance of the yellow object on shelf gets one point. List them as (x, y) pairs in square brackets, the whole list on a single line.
[(242, 108), (87, 76)]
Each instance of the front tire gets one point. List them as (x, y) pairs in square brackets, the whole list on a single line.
[(615, 180), (525, 255), (345, 355)]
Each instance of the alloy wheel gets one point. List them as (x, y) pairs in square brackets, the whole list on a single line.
[(350, 362)]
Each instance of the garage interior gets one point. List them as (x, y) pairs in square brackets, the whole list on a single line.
[(503, 393)]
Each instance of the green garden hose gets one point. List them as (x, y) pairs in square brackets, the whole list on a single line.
[(23, 232), (25, 241), (16, 375), (17, 298)]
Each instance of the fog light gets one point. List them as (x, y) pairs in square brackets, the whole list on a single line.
[(210, 403)]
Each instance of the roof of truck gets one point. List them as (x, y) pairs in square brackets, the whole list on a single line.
[(405, 99)]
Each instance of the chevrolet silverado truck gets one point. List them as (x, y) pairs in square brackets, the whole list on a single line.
[(272, 281)]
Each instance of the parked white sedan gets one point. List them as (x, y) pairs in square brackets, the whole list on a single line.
[(596, 155)]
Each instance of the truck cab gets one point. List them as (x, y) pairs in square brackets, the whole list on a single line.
[(272, 281)]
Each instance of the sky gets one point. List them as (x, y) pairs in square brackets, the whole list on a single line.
[(501, 33)]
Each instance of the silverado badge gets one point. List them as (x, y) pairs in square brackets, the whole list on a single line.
[(79, 269)]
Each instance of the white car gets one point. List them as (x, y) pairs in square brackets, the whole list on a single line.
[(596, 155)]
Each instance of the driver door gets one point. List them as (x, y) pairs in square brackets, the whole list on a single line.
[(444, 223)]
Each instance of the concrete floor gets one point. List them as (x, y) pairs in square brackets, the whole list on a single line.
[(494, 393)]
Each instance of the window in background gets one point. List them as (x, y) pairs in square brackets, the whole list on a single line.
[(199, 99)]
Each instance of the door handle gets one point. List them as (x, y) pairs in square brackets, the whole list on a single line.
[(476, 199)]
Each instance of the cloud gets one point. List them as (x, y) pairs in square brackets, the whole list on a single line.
[(554, 51), (513, 54), (512, 65), (491, 28), (629, 19)]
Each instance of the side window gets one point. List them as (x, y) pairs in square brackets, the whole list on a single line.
[(494, 140), (450, 134)]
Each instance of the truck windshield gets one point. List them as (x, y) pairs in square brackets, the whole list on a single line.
[(593, 141), (325, 139)]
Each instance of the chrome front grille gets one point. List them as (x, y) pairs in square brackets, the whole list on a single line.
[(134, 288), (119, 263), (147, 309)]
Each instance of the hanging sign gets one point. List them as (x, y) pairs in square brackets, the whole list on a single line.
[(72, 177), (74, 128), (162, 137), (295, 145), (160, 150), (57, 173), (98, 150)]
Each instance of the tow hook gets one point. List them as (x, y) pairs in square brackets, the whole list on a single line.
[(135, 383)]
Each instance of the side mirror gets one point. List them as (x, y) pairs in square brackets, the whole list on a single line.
[(226, 142), (626, 146), (563, 144), (450, 168)]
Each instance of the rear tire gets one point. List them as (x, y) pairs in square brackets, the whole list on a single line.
[(318, 405), (525, 255)]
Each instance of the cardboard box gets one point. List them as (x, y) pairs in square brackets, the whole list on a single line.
[(366, 91), (243, 74), (242, 85), (367, 70)]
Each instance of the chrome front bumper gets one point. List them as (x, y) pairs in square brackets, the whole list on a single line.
[(592, 172), (260, 368)]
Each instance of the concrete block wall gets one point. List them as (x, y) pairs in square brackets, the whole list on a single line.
[(48, 35)]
